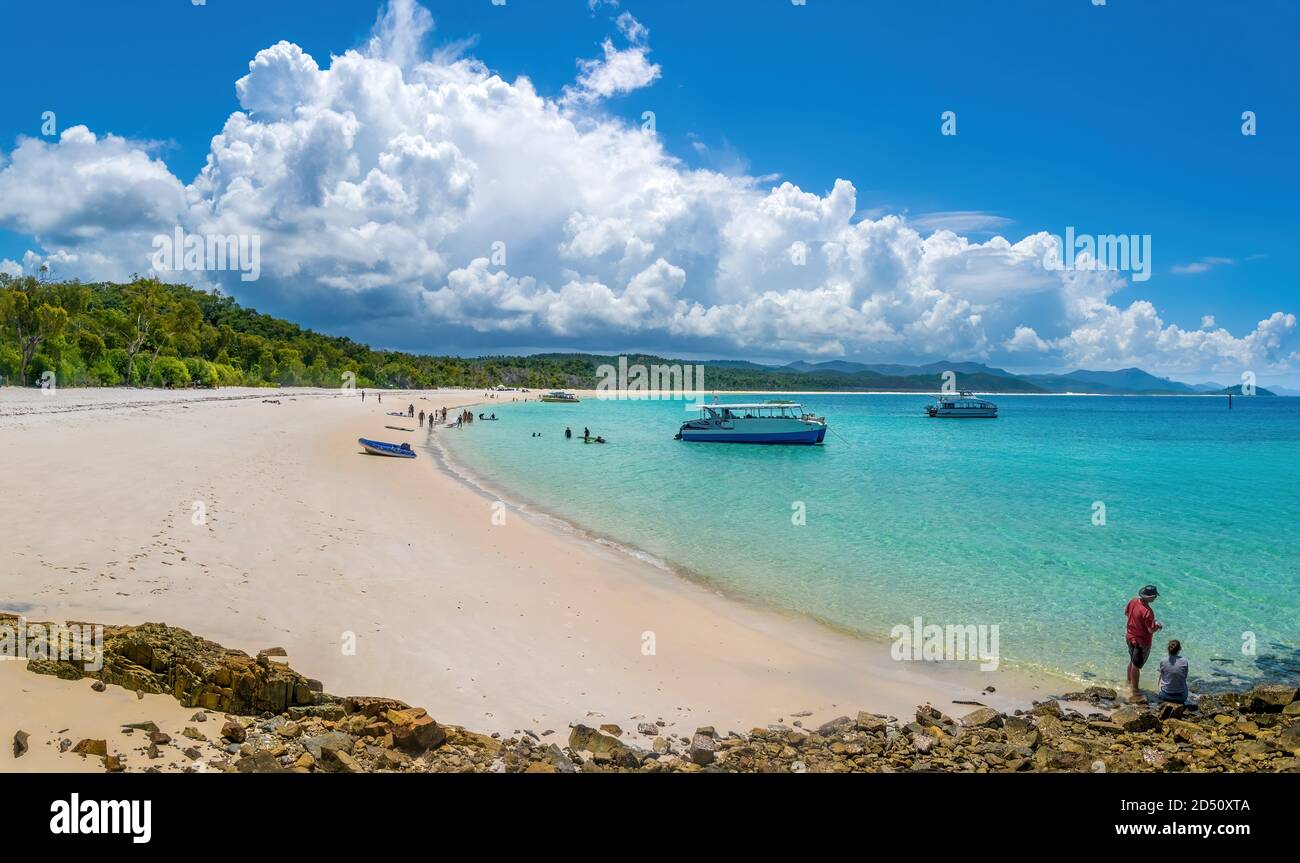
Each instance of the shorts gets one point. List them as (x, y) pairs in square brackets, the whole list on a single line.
[(1137, 654)]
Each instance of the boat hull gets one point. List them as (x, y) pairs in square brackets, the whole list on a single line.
[(805, 437), (392, 450)]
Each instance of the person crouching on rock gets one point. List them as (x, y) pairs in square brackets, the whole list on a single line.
[(1173, 675)]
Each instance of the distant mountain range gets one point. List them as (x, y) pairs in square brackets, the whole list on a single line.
[(842, 374), (582, 371)]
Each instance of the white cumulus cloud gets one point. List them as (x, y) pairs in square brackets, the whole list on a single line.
[(620, 71), (410, 197)]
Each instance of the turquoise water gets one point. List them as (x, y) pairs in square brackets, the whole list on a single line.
[(961, 522)]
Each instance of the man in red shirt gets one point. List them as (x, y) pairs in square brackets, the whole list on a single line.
[(1142, 624)]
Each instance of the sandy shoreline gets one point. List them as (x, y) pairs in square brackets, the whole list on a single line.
[(259, 525)]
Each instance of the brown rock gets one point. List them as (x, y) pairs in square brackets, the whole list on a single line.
[(927, 715), (1102, 693), (1186, 732), (1049, 707), (20, 744), (234, 732), (1271, 697), (1221, 702), (984, 717), (870, 723), (1019, 731), (1046, 758), (415, 729), (703, 749), (258, 762), (91, 747), (1133, 718), (342, 761), (1288, 739), (582, 737)]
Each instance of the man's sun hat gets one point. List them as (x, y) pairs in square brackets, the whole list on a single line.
[(1149, 592)]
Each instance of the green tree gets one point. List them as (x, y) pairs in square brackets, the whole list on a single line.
[(142, 320), (169, 372), (90, 346), (29, 311), (177, 327)]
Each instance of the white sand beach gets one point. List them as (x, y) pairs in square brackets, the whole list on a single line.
[(50, 710), (258, 524)]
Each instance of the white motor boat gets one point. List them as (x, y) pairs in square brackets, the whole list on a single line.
[(561, 396), (774, 422), (964, 406)]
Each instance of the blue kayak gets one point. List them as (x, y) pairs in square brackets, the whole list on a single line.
[(378, 447)]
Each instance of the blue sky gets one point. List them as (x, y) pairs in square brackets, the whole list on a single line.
[(1123, 118)]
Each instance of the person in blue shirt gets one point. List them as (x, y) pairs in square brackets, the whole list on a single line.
[(1173, 675)]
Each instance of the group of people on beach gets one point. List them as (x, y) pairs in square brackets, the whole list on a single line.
[(439, 415), (1139, 635)]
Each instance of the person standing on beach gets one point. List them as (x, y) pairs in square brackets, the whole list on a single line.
[(1173, 675), (1142, 625), (363, 395), (422, 420)]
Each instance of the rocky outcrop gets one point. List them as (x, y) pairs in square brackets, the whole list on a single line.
[(156, 658), (271, 719)]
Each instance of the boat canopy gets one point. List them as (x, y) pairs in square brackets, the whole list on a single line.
[(964, 401), (757, 406)]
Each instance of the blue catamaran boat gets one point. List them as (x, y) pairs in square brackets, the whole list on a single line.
[(378, 447), (774, 422)]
